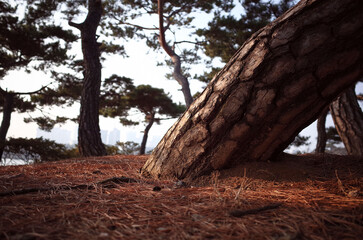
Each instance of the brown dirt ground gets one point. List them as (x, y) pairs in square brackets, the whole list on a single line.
[(320, 196)]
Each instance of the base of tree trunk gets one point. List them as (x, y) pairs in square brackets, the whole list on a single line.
[(348, 120)]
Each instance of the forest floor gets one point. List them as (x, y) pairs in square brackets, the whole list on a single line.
[(298, 197)]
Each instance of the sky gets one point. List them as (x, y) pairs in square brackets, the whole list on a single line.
[(139, 66)]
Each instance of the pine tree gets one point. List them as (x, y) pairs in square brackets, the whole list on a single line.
[(121, 96), (171, 16), (29, 43), (155, 105)]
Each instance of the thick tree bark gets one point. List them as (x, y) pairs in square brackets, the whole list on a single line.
[(348, 120), (320, 125), (177, 74), (5, 123), (146, 134), (275, 85), (89, 136)]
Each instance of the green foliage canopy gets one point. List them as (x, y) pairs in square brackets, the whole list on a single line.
[(32, 41), (150, 100)]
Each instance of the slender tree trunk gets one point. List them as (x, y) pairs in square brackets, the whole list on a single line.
[(89, 136), (321, 142), (146, 134), (182, 80), (348, 120), (177, 74), (5, 124), (275, 85)]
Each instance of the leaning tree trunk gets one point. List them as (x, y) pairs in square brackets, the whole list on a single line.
[(5, 123), (275, 85), (89, 136), (146, 134), (177, 73), (322, 137), (348, 120)]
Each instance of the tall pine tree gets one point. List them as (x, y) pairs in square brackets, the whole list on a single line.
[(30, 41), (170, 17)]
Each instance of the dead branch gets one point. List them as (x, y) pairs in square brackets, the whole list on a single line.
[(241, 213), (107, 183)]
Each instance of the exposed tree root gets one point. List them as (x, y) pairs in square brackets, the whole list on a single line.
[(241, 213), (107, 183)]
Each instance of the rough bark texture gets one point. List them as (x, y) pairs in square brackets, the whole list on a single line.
[(146, 134), (320, 125), (275, 85), (177, 73), (89, 136), (348, 120), (5, 123)]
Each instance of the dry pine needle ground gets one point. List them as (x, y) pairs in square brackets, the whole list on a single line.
[(299, 197)]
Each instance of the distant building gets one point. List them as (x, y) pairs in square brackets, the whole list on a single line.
[(133, 137), (104, 134), (113, 136), (57, 134)]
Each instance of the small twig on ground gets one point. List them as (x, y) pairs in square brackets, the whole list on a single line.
[(215, 176), (340, 184), (241, 213), (118, 180), (23, 191), (244, 184)]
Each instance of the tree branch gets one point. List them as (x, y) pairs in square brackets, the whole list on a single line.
[(2, 91), (138, 26), (147, 10), (76, 25), (185, 41), (34, 92), (162, 40), (177, 11), (133, 25), (178, 75)]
